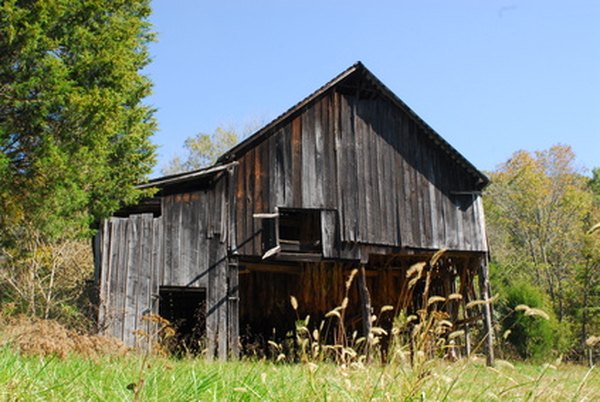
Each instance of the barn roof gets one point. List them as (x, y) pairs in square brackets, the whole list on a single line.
[(356, 71)]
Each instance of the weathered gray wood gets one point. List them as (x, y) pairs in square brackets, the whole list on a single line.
[(104, 280), (222, 303), (144, 297), (121, 281), (484, 286), (329, 234), (365, 305), (131, 278), (382, 182), (233, 316)]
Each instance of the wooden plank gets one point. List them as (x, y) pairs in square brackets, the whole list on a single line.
[(120, 278), (484, 286), (265, 174), (349, 183), (233, 314), (144, 297), (275, 194), (250, 195), (363, 191), (481, 227), (329, 233), (365, 308), (258, 194), (287, 173), (412, 217), (211, 301), (104, 280), (339, 167), (296, 165), (200, 278), (157, 261), (132, 278), (240, 205), (112, 276), (189, 229), (308, 168), (221, 254), (167, 214), (328, 155)]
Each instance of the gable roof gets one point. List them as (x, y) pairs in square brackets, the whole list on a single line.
[(356, 71)]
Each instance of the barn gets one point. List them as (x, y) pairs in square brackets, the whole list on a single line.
[(350, 178)]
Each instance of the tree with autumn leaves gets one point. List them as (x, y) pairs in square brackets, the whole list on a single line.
[(539, 209)]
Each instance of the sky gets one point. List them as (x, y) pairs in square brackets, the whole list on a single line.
[(491, 77)]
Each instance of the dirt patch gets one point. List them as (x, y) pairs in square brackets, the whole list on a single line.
[(38, 337)]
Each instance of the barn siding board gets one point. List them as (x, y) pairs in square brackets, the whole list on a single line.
[(296, 166), (233, 318), (121, 278), (104, 284), (352, 191), (320, 171), (199, 277)]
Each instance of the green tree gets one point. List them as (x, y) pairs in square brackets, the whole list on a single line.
[(74, 137), (539, 204), (202, 150), (74, 133), (539, 208)]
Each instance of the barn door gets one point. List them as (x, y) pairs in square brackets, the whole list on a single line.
[(129, 254)]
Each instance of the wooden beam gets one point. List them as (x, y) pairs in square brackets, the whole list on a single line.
[(278, 269), (365, 303), (233, 312), (484, 286)]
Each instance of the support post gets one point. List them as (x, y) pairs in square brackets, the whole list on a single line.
[(465, 283), (233, 303), (484, 288), (365, 302)]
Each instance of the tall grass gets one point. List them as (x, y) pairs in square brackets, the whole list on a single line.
[(76, 378)]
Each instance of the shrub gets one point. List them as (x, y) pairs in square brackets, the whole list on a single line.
[(528, 325)]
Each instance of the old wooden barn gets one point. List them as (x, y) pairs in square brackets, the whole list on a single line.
[(349, 178)]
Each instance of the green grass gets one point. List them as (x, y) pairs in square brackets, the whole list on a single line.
[(25, 378)]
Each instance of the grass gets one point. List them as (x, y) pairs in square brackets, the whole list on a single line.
[(35, 378)]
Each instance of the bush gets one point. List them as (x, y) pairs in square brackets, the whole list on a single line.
[(528, 325)]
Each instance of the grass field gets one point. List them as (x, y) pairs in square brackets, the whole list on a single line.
[(130, 377)]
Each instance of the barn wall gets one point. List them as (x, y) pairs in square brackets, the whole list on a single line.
[(184, 247), (129, 260), (390, 184)]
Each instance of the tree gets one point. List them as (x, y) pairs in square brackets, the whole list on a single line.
[(74, 136), (74, 133), (202, 150), (539, 208)]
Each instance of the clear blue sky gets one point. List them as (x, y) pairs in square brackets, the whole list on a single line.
[(490, 76)]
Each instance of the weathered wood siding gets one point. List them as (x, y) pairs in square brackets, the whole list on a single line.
[(185, 247), (382, 177), (129, 275)]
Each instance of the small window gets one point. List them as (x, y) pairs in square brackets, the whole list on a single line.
[(300, 230), (291, 231)]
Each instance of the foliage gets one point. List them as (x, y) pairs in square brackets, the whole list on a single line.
[(202, 150), (74, 133), (539, 209), (594, 184), (532, 335), (48, 280)]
